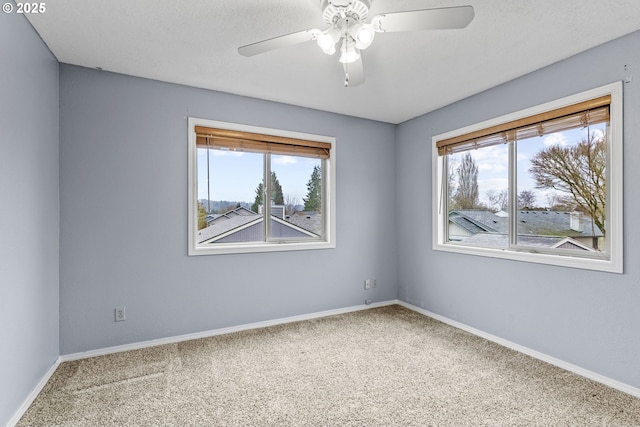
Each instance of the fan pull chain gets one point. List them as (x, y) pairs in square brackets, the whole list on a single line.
[(346, 50)]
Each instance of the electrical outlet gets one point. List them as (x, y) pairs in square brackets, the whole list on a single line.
[(375, 283), (367, 284), (121, 314)]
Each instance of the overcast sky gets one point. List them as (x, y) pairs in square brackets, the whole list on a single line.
[(493, 161)]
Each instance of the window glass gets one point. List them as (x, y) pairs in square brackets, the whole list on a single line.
[(297, 198), (561, 190), (227, 183), (560, 198), (541, 185), (254, 192), (478, 197)]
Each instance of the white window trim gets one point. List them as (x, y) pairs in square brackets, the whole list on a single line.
[(614, 184), (252, 247)]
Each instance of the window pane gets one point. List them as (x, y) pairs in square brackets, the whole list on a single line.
[(564, 184), (561, 190), (296, 197), (478, 197), (228, 187)]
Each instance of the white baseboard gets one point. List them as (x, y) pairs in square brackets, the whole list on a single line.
[(626, 388), (221, 331), (32, 396)]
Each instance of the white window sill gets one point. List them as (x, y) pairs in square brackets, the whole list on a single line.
[(240, 248), (597, 264)]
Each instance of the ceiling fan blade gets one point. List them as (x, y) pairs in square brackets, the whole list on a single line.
[(278, 42), (353, 73), (426, 19)]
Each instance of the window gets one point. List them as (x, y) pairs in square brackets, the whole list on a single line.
[(256, 190), (542, 185)]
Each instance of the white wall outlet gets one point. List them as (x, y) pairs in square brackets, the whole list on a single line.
[(375, 283), (367, 284), (121, 314)]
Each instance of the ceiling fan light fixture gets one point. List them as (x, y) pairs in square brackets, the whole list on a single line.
[(348, 53), (327, 41), (364, 36)]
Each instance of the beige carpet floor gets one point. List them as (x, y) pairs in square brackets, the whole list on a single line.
[(381, 367)]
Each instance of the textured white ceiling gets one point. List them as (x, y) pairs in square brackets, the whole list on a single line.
[(194, 42)]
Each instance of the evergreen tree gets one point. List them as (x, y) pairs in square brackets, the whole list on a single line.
[(259, 196), (313, 201), (277, 197)]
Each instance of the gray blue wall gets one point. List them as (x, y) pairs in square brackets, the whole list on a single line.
[(29, 219), (123, 182), (587, 318)]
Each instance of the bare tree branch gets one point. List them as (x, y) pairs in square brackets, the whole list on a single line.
[(579, 171)]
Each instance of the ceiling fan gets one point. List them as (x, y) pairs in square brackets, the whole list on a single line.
[(348, 28)]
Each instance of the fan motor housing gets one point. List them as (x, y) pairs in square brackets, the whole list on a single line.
[(332, 10)]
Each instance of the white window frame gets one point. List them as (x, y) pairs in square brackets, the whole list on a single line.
[(329, 186), (614, 263)]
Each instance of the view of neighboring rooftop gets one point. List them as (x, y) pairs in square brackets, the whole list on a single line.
[(543, 223), (239, 225), (543, 229)]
